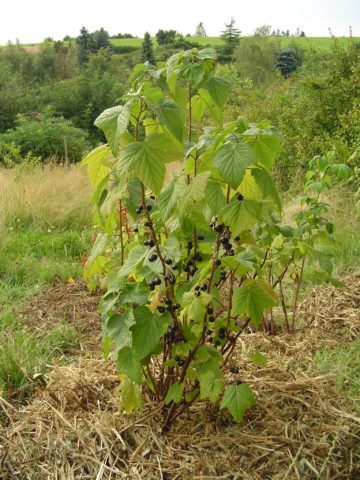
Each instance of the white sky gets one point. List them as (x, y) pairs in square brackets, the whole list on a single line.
[(33, 20)]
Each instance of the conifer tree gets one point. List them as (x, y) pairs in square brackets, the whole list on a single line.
[(147, 50)]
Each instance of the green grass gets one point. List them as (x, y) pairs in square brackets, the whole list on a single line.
[(344, 364), (45, 230), (30, 258), (323, 43)]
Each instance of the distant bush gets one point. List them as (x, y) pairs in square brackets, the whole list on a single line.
[(44, 137)]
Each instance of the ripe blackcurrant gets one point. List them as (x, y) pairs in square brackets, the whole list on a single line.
[(161, 309), (211, 319), (200, 237), (217, 262), (148, 224), (153, 257), (168, 261), (210, 311), (181, 363)]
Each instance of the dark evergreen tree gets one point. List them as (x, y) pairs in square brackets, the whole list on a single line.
[(288, 61), (85, 45), (101, 39), (231, 36), (147, 50)]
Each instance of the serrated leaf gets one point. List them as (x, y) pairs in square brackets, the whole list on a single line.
[(342, 171), (174, 393), (214, 196), (232, 159), (266, 185), (213, 109), (252, 298), (146, 160), (147, 331), (114, 122), (240, 215), (97, 170), (266, 148), (135, 293), (117, 329), (219, 89), (171, 115), (170, 195), (136, 256), (211, 385), (237, 399), (259, 359), (198, 107), (129, 364), (129, 395)]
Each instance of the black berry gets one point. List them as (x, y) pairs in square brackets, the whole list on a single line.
[(211, 319), (218, 227), (210, 310), (148, 207), (237, 238), (181, 363), (203, 287), (239, 197), (168, 261), (174, 267), (161, 309), (148, 224), (200, 237), (136, 229), (153, 257), (189, 245), (217, 262)]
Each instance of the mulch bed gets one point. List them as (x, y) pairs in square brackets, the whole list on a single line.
[(301, 427)]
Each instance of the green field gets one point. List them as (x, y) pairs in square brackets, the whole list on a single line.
[(323, 43)]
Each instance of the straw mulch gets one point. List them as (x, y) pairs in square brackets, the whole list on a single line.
[(301, 427)]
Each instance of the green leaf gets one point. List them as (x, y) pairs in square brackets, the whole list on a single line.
[(129, 395), (259, 359), (129, 364), (240, 215), (266, 184), (170, 195), (252, 298), (172, 116), (266, 148), (214, 196), (237, 399), (198, 107), (136, 256), (174, 393), (133, 293), (98, 248), (232, 159), (117, 328), (147, 331), (146, 160), (211, 385), (342, 171), (96, 167), (213, 109), (113, 122), (219, 89)]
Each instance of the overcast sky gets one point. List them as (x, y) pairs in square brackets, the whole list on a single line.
[(33, 20)]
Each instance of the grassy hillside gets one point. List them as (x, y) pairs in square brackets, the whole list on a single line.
[(323, 43)]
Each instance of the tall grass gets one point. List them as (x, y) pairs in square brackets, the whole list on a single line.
[(45, 197)]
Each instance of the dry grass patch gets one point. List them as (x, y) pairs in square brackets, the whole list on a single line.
[(301, 427), (45, 196)]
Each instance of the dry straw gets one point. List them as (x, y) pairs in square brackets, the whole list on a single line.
[(45, 196), (301, 428)]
